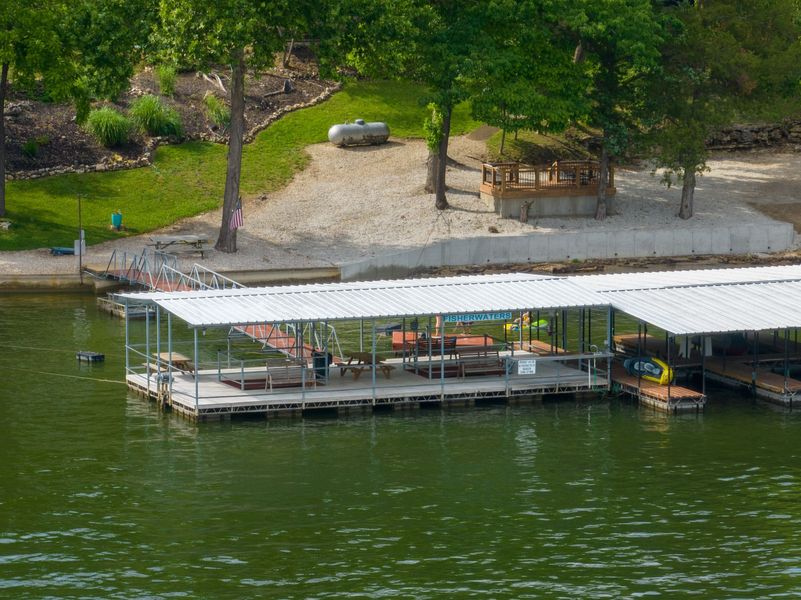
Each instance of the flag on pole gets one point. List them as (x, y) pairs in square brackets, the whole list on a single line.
[(237, 220)]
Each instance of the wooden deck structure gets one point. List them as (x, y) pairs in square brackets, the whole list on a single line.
[(555, 189)]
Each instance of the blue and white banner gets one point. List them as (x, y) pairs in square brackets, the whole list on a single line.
[(477, 317)]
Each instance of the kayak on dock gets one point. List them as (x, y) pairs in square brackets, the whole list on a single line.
[(651, 369)]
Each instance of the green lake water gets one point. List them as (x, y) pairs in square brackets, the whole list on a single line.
[(102, 496)]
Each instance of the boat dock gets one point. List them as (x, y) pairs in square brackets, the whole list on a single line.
[(672, 398), (456, 340), (404, 389), (751, 372)]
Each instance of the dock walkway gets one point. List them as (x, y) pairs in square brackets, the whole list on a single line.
[(404, 389), (669, 399)]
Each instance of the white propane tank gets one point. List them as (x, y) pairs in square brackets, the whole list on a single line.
[(358, 132)]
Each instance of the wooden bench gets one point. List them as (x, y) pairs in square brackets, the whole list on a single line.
[(481, 362)]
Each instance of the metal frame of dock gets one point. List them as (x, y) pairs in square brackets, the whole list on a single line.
[(700, 303)]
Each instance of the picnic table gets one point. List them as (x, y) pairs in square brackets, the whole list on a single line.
[(179, 361), (185, 243), (358, 362)]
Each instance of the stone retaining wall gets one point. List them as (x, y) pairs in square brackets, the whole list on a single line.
[(749, 137), (116, 163)]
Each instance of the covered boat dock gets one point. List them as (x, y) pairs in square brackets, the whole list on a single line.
[(453, 341), (442, 353)]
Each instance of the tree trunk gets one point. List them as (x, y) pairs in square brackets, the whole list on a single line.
[(687, 193), (603, 181), (441, 201), (3, 86), (503, 140), (226, 242), (288, 53), (432, 167)]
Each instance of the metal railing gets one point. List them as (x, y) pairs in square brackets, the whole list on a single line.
[(566, 175)]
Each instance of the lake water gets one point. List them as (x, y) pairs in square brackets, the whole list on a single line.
[(102, 496)]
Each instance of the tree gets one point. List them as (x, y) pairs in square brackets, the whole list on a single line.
[(433, 42), (243, 34), (618, 43), (74, 50), (528, 79), (714, 68)]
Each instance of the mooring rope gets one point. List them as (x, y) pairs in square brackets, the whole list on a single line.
[(65, 375)]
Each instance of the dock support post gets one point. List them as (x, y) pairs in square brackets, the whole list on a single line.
[(670, 365), (442, 358), (147, 346), (610, 332), (703, 365), (755, 364), (158, 338), (195, 357), (127, 339), (373, 366), (786, 357)]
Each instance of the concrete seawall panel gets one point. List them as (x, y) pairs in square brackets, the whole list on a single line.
[(561, 246)]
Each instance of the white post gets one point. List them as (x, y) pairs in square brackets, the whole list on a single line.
[(196, 370), (442, 357), (147, 346), (169, 350), (127, 340), (374, 362)]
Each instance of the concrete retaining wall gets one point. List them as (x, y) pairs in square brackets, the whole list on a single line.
[(552, 247)]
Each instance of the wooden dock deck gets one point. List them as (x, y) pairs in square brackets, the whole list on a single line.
[(404, 389), (673, 399), (738, 371), (734, 371)]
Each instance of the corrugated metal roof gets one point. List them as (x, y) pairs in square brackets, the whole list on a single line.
[(367, 300), (682, 302), (715, 308), (665, 279)]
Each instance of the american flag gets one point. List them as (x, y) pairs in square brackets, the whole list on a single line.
[(237, 220)]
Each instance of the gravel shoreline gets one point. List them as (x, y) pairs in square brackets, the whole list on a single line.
[(360, 202)]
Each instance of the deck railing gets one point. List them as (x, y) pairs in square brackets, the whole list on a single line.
[(500, 178)]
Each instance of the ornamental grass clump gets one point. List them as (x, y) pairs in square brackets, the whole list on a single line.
[(217, 112), (166, 75), (109, 126), (153, 117)]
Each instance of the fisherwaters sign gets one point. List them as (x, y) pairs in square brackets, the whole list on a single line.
[(477, 317)]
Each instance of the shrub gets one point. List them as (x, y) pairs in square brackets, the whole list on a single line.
[(151, 116), (30, 148), (217, 112), (166, 76), (109, 126)]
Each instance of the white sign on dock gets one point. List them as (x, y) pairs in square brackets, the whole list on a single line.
[(527, 367), (477, 317)]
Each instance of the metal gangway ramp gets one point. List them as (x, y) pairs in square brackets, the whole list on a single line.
[(158, 271)]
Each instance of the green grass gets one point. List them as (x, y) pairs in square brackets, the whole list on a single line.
[(534, 148), (189, 179)]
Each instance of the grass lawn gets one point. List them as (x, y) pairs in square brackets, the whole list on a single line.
[(534, 148), (188, 179)]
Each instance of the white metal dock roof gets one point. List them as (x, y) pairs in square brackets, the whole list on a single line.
[(614, 282), (376, 299), (715, 308), (681, 302)]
